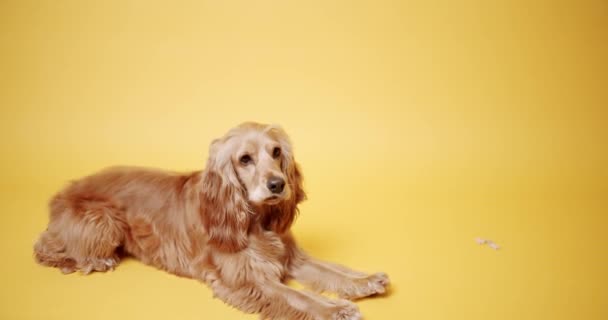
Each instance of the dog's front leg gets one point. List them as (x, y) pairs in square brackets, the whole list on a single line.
[(250, 281), (325, 276), (274, 300)]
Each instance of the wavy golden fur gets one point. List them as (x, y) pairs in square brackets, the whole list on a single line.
[(227, 225)]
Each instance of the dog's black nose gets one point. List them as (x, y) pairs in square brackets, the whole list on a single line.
[(275, 184)]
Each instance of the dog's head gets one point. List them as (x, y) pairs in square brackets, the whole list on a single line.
[(251, 170)]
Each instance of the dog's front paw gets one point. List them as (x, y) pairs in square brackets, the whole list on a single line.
[(345, 310), (378, 282), (371, 285)]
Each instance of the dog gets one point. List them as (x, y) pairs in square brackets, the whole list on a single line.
[(227, 225)]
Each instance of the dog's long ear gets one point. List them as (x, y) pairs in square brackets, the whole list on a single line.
[(283, 215), (225, 212)]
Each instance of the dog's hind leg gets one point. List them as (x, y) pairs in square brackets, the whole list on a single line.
[(83, 234), (50, 250)]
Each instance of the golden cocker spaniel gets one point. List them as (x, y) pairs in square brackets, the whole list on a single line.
[(227, 225)]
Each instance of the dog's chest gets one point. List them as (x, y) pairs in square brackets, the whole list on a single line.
[(264, 258)]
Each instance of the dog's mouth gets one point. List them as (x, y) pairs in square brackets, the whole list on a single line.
[(272, 200)]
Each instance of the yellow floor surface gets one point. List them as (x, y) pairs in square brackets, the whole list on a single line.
[(419, 126)]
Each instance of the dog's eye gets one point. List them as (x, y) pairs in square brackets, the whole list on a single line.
[(245, 159), (276, 152)]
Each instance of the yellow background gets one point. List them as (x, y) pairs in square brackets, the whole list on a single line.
[(419, 125)]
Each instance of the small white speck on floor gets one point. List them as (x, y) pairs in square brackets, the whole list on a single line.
[(490, 243), (493, 245), (480, 241)]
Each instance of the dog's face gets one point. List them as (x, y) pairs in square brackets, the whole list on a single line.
[(251, 171), (259, 159)]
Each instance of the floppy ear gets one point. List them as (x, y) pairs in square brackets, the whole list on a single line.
[(224, 208), (283, 215)]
